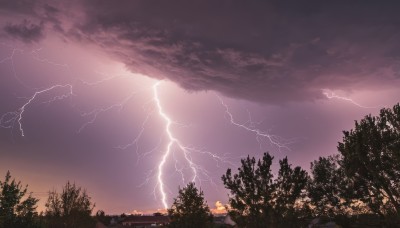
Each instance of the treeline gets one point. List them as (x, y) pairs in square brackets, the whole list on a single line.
[(70, 208), (363, 179)]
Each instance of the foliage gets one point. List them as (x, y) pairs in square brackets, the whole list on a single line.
[(251, 192), (289, 195), (71, 208), (329, 190), (371, 157), (257, 200), (189, 209), (15, 212)]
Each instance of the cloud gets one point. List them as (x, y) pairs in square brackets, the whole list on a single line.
[(136, 212), (264, 51), (17, 6), (26, 31), (219, 208)]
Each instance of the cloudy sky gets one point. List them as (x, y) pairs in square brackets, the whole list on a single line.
[(94, 91)]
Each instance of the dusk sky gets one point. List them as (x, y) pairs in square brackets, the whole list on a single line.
[(131, 99)]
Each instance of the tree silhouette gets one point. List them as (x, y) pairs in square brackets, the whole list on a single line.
[(15, 212), (326, 188), (189, 209), (257, 200), (251, 192), (371, 156), (290, 191), (71, 208)]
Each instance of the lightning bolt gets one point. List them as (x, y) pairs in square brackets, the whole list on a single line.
[(136, 140), (35, 54), (181, 157), (96, 112), (331, 95), (275, 140), (9, 119), (11, 59), (171, 142)]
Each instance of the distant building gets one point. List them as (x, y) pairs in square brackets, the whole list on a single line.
[(145, 221), (115, 220)]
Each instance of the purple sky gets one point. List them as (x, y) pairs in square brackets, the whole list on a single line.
[(80, 76)]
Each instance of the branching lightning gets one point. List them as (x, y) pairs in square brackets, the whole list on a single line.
[(11, 59), (185, 150), (94, 113), (36, 56), (9, 119), (173, 146), (136, 140), (275, 140), (174, 153), (331, 95), (172, 141)]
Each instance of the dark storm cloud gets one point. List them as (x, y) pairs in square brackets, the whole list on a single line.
[(18, 6), (268, 51), (25, 31)]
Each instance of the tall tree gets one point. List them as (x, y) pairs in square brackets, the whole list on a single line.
[(257, 200), (189, 209), (290, 193), (71, 208), (251, 192), (329, 189), (14, 211), (371, 155)]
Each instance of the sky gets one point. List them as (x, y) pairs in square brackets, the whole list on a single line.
[(133, 99)]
